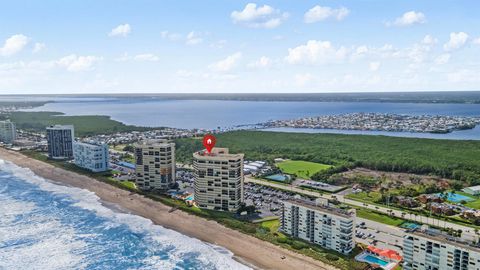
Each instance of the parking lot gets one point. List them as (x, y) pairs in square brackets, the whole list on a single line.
[(267, 200), (381, 235)]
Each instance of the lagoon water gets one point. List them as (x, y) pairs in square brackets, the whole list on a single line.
[(47, 226), (211, 114)]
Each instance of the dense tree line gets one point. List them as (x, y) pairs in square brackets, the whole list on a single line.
[(445, 158)]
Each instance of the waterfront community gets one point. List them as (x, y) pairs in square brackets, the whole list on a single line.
[(332, 212), (381, 122)]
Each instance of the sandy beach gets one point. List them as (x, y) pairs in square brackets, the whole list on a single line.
[(247, 249)]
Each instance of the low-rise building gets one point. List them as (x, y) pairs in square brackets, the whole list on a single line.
[(434, 250), (474, 190), (218, 179), (91, 156), (8, 132), (320, 223)]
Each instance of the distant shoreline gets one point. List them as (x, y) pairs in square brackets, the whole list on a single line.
[(454, 97), (246, 249)]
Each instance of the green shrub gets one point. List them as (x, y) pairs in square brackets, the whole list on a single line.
[(298, 245), (332, 257)]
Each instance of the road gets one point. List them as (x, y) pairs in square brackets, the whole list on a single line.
[(468, 232)]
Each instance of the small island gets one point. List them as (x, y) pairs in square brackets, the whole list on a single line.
[(380, 122)]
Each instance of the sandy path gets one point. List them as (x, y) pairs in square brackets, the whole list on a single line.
[(246, 248)]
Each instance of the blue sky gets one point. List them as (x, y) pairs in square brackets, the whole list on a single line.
[(95, 46)]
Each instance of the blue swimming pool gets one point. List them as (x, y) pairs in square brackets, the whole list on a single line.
[(375, 260), (456, 198), (278, 177), (410, 225)]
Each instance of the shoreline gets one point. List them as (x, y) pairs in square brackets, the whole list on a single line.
[(246, 249)]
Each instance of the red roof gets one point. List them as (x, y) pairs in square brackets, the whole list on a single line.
[(387, 253)]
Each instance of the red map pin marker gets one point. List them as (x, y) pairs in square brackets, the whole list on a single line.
[(209, 142)]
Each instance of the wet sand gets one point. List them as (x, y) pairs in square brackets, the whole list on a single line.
[(246, 249)]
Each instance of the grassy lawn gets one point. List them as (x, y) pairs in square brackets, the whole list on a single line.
[(472, 204), (368, 197), (302, 169), (128, 184), (372, 215)]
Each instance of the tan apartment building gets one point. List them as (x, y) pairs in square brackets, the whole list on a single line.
[(218, 179), (155, 165)]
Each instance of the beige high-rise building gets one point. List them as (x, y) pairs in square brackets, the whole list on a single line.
[(155, 165), (218, 179)]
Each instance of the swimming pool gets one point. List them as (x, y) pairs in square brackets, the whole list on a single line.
[(375, 260), (410, 225), (278, 177), (456, 198)]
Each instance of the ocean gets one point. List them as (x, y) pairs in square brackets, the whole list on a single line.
[(44, 225)]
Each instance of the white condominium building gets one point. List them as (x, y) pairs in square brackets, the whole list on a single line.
[(8, 132), (218, 179), (91, 156), (430, 249), (319, 223), (155, 165), (60, 141)]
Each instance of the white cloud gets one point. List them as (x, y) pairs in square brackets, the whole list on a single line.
[(463, 76), (410, 18), (316, 52), (38, 47), (374, 66), (457, 40), (259, 17), (13, 45), (303, 79), (122, 30), (146, 57), (476, 41), (78, 63), (442, 59), (220, 44), (193, 38), (170, 36), (429, 40), (318, 13), (263, 62), (227, 64)]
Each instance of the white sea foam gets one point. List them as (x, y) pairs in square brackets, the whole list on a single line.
[(37, 243), (180, 245)]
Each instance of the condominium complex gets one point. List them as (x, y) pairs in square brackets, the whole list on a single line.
[(320, 223), (218, 179), (60, 141), (8, 132), (433, 250), (91, 156), (155, 165)]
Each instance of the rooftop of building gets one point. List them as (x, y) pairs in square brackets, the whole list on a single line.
[(216, 152), (475, 188), (95, 143), (324, 207), (443, 237), (60, 127), (154, 143)]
